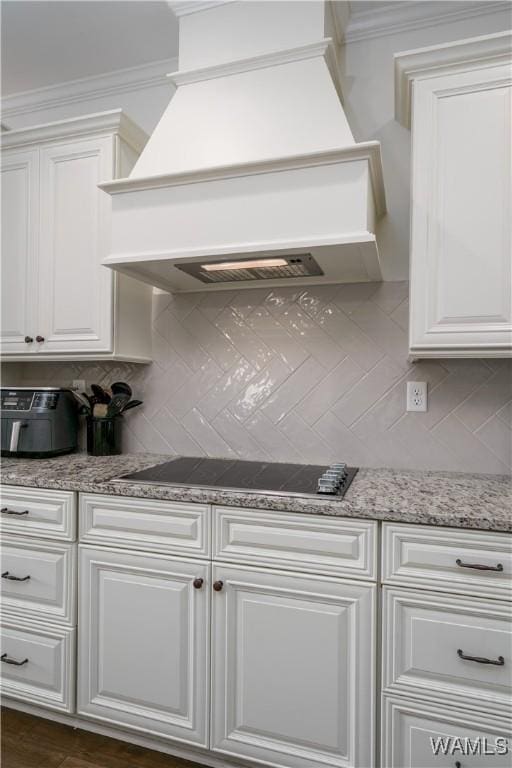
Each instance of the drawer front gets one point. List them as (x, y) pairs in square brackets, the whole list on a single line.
[(437, 646), (445, 559), (419, 736), (309, 542), (37, 512), (151, 526), (49, 591), (47, 677)]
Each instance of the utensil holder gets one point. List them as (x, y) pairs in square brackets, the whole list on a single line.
[(104, 435)]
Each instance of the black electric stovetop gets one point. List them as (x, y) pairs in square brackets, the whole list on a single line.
[(254, 476)]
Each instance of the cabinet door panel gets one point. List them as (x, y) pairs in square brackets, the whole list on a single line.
[(461, 271), (49, 592), (20, 193), (75, 219), (46, 676), (143, 643), (424, 636), (293, 668)]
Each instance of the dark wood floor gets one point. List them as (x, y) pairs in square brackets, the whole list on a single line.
[(31, 742)]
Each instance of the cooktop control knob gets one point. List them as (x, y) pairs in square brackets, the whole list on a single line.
[(326, 486)]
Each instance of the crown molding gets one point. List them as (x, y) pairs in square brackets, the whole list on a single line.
[(85, 89), (485, 50), (113, 121), (186, 7), (407, 14)]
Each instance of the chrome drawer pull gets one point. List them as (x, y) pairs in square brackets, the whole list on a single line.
[(5, 660), (6, 511), (478, 567), (499, 662), (7, 575)]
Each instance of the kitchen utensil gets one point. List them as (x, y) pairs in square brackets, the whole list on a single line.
[(117, 404), (100, 410), (130, 405), (99, 392), (121, 387)]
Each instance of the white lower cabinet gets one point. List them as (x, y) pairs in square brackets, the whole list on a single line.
[(447, 640), (293, 672), (38, 663), (38, 579), (448, 647), (418, 735), (143, 644)]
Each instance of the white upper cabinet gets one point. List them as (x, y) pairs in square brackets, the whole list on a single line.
[(58, 301), (456, 98), (20, 215)]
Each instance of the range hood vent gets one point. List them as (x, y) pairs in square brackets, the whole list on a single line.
[(253, 160), (260, 268)]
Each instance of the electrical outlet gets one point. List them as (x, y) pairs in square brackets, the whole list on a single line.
[(78, 385), (417, 396)]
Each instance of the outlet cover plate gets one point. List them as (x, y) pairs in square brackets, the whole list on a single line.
[(417, 396)]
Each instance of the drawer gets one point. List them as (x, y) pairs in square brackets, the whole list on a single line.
[(313, 543), (49, 592), (151, 526), (413, 732), (46, 674), (436, 645), (448, 559), (37, 512)]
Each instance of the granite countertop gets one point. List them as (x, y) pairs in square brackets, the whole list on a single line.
[(451, 499)]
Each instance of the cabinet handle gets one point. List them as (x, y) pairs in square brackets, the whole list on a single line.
[(6, 511), (198, 583), (6, 660), (478, 567), (217, 585), (7, 575), (28, 339), (39, 339), (499, 662)]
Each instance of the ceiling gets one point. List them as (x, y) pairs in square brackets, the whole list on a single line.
[(44, 43)]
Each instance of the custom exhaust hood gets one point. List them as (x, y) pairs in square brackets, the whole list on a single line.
[(252, 176)]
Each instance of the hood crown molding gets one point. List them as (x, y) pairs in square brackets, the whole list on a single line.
[(325, 48), (369, 151)]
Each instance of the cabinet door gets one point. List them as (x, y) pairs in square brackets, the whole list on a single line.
[(461, 270), (77, 312), (293, 672), (144, 643), (20, 194)]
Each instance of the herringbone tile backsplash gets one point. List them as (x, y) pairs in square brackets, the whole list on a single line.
[(309, 374)]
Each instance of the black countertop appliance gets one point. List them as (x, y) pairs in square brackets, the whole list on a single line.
[(38, 422)]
